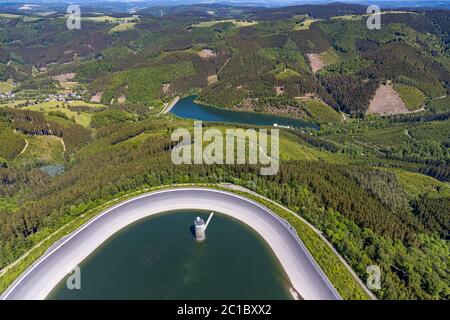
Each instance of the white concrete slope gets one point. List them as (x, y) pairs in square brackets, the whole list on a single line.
[(304, 274)]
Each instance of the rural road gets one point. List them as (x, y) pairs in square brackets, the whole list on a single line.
[(304, 274)]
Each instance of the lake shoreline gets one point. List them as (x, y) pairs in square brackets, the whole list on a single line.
[(199, 110), (205, 104)]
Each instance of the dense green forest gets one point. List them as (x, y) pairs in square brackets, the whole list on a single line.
[(234, 63), (81, 123), (369, 214)]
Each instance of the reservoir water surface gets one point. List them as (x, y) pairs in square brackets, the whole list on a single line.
[(188, 108), (158, 258)]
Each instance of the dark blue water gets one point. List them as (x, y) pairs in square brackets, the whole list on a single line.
[(187, 108), (158, 258)]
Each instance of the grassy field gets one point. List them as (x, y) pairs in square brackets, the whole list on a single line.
[(350, 17), (236, 23), (353, 17), (417, 184), (137, 140), (413, 98), (441, 104), (42, 150), (30, 18), (305, 25), (290, 150), (81, 118), (6, 86), (12, 143), (293, 150), (9, 15), (122, 27), (286, 73), (322, 112), (8, 204), (330, 57), (111, 19)]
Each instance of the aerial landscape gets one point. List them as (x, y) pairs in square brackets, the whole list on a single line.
[(230, 150)]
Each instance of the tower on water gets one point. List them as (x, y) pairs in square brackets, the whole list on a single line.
[(200, 227)]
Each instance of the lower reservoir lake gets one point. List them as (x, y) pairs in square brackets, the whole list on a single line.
[(188, 108), (158, 258)]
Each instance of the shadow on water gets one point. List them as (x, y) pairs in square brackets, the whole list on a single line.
[(192, 230)]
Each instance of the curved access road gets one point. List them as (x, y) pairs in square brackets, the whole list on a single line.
[(305, 275)]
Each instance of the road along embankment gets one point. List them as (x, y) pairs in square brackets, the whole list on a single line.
[(305, 275)]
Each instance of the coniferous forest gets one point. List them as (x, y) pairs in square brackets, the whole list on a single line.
[(82, 122)]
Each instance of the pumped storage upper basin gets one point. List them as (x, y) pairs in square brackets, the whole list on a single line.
[(158, 258), (303, 272)]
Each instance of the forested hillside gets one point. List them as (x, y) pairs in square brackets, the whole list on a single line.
[(81, 122), (369, 214), (232, 58)]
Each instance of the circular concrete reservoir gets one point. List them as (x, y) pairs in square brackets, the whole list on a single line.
[(158, 258)]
